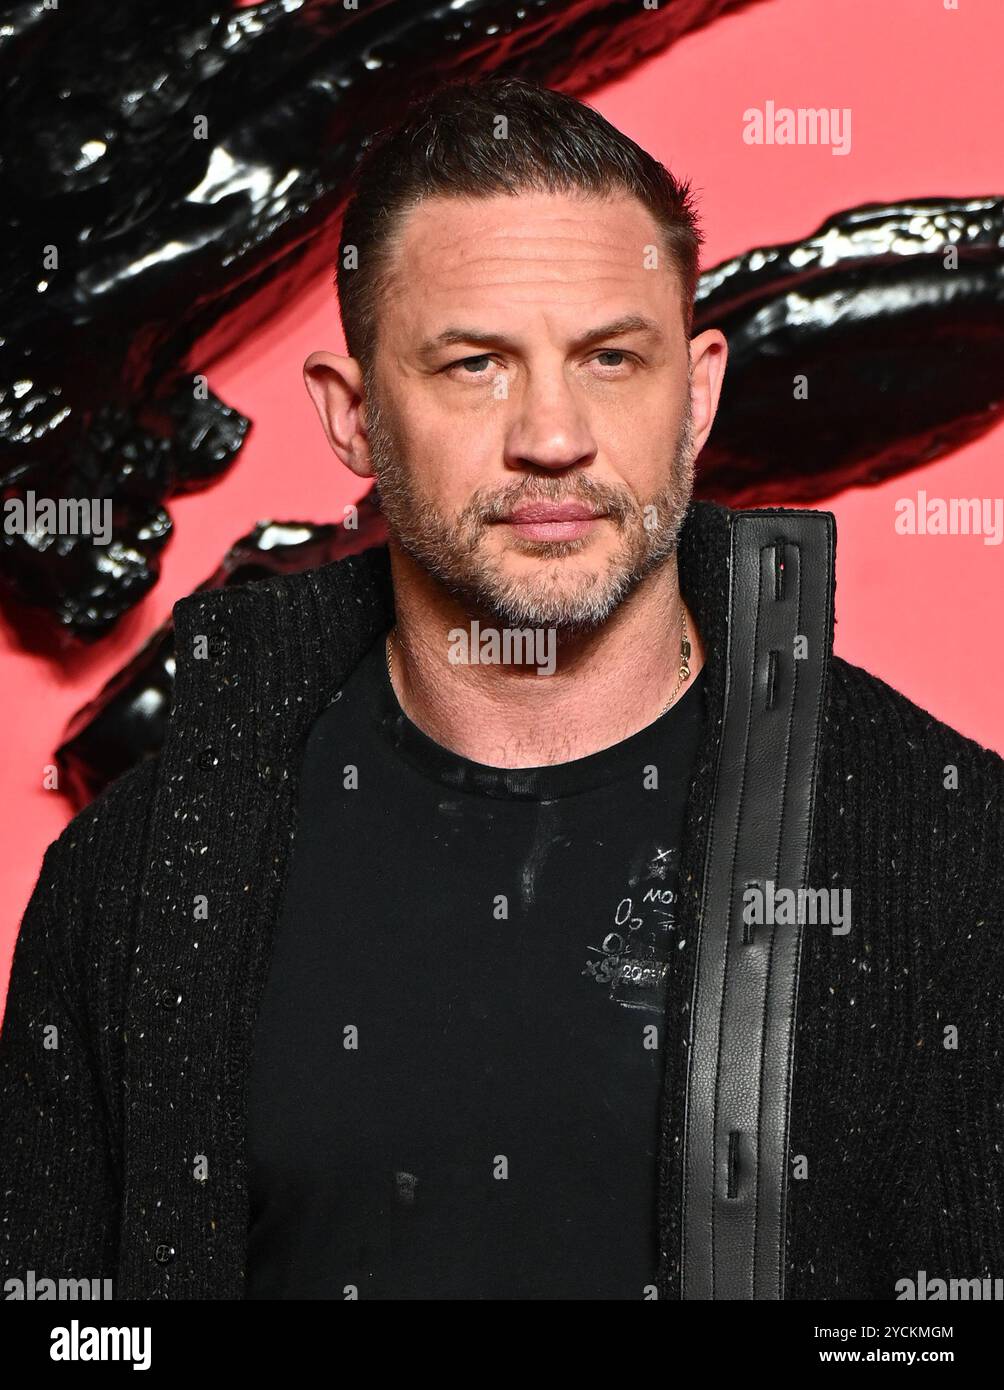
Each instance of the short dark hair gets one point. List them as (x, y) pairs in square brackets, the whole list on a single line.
[(445, 146)]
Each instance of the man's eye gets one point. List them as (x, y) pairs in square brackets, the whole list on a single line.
[(467, 361), (612, 352)]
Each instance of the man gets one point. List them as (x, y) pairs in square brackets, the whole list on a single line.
[(535, 907)]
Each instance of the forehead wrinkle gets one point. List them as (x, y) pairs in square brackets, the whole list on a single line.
[(451, 269), (526, 238), (562, 250), (516, 286)]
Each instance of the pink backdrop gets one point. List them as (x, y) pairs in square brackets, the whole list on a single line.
[(923, 612)]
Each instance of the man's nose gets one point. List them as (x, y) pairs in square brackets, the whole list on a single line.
[(550, 429)]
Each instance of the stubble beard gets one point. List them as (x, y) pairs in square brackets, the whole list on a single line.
[(450, 548)]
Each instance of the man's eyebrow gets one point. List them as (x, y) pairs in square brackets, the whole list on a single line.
[(617, 328)]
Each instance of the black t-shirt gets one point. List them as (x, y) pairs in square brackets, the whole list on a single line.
[(456, 1085)]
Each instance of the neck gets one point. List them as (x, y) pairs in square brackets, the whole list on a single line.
[(570, 696)]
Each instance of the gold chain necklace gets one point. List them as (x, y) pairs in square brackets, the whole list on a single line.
[(684, 660)]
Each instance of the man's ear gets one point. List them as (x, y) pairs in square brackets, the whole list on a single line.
[(709, 353), (335, 385)]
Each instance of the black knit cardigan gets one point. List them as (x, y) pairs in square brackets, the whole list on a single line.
[(145, 945)]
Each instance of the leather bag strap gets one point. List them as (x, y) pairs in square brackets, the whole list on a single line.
[(781, 585)]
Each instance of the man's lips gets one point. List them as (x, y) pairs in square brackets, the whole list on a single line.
[(552, 521)]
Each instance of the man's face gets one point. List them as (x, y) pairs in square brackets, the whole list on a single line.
[(539, 468)]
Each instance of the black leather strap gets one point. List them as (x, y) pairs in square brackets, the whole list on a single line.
[(742, 1022)]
